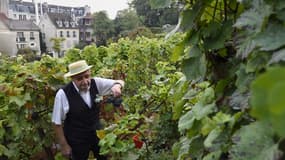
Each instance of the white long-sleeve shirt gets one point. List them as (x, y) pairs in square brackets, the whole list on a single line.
[(61, 106)]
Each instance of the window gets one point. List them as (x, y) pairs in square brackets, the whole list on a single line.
[(20, 37), (66, 23), (74, 34), (24, 17), (20, 34), (67, 34), (61, 34), (32, 36), (20, 17), (59, 23), (88, 34)]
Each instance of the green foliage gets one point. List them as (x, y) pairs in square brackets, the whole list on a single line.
[(28, 90), (28, 54), (213, 92), (125, 21), (254, 141), (152, 13), (57, 44), (267, 98), (103, 27)]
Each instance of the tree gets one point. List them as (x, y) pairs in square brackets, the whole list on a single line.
[(57, 44), (103, 27), (125, 21), (155, 17)]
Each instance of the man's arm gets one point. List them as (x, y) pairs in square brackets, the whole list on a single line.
[(109, 86), (58, 115), (64, 147)]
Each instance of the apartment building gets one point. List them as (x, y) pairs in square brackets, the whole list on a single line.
[(16, 35), (26, 12), (59, 25)]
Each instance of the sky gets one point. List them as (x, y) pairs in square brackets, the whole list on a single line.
[(111, 6)]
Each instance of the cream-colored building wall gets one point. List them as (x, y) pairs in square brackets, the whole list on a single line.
[(10, 46), (49, 31), (7, 42), (70, 41), (30, 42)]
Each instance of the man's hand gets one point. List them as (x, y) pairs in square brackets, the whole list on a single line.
[(64, 147), (65, 150), (116, 90)]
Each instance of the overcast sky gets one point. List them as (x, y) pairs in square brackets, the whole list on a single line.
[(111, 6)]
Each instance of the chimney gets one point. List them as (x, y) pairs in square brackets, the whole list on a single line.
[(37, 11)]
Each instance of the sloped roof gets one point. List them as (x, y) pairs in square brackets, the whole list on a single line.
[(18, 25), (62, 18), (23, 25)]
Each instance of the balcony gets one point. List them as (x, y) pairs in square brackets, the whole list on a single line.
[(20, 39)]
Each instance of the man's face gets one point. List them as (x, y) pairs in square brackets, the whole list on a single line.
[(82, 80)]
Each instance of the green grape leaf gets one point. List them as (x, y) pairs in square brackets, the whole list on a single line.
[(178, 51), (207, 96), (200, 111), (196, 147), (156, 4), (256, 62), (255, 16), (221, 118), (195, 66), (213, 155), (186, 121), (218, 37), (254, 142), (281, 14), (207, 126), (277, 56), (178, 108), (239, 101), (191, 15), (272, 38), (268, 98), (208, 143), (243, 79), (246, 46), (20, 100)]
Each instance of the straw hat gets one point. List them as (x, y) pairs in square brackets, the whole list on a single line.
[(77, 67)]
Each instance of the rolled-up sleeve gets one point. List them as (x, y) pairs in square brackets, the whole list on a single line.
[(104, 85), (60, 107)]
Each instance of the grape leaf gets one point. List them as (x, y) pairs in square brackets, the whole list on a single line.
[(254, 142), (277, 56), (156, 4), (272, 38), (268, 98)]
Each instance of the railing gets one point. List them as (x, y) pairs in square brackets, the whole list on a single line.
[(20, 39)]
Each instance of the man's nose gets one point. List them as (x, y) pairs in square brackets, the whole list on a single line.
[(86, 80)]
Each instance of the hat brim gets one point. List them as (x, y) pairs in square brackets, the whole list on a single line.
[(73, 74)]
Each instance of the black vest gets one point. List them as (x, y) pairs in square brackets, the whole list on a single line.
[(81, 121)]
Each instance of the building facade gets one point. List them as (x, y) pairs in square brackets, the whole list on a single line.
[(76, 25), (59, 25), (16, 35)]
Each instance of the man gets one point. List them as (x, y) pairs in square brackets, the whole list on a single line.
[(75, 115)]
